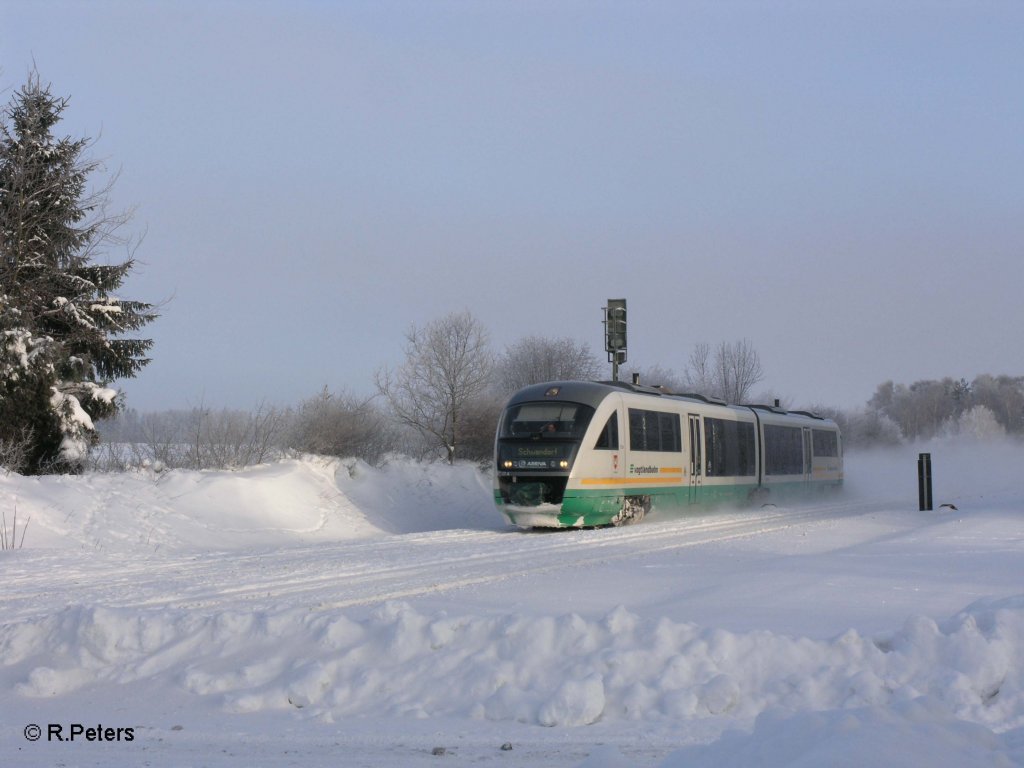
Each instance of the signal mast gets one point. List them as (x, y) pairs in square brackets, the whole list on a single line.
[(615, 334)]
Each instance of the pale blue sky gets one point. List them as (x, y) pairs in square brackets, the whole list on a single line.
[(842, 183)]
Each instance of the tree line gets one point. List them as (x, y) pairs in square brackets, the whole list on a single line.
[(444, 401), (988, 406)]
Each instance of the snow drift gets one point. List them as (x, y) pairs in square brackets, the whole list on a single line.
[(553, 671), (288, 502)]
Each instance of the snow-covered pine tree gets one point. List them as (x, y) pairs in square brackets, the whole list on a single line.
[(61, 322)]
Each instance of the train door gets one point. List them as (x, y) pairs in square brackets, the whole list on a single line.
[(808, 458), (696, 458), (607, 459)]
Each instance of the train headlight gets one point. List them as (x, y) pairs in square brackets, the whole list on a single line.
[(563, 464), (507, 464)]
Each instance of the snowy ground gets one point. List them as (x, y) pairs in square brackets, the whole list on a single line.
[(316, 613)]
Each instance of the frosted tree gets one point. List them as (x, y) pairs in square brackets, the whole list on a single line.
[(537, 359), (448, 366), (979, 423), (62, 326), (1004, 397)]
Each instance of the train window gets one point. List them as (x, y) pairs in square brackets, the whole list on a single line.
[(543, 420), (609, 437), (783, 450), (728, 448), (826, 443), (654, 431)]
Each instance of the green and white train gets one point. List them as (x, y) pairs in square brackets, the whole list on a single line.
[(580, 454)]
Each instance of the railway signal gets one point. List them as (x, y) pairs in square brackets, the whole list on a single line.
[(615, 334)]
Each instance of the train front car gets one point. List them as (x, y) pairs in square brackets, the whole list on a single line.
[(537, 446), (582, 454)]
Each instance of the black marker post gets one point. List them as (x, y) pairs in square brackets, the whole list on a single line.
[(924, 482)]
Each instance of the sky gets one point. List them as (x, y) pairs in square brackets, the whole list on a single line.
[(840, 183)]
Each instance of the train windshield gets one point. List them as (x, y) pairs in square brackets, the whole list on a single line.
[(546, 420)]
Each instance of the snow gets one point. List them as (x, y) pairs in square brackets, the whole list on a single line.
[(17, 343), (74, 446), (111, 307), (319, 612), (103, 394)]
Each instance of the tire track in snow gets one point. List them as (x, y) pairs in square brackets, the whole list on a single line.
[(369, 571), (602, 546)]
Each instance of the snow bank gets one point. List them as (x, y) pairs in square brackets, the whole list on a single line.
[(287, 502), (548, 670), (406, 496)]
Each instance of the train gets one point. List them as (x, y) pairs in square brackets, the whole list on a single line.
[(578, 454)]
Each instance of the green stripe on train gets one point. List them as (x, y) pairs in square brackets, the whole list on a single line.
[(605, 503), (599, 507)]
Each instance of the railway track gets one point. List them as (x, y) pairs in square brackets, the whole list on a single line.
[(370, 571)]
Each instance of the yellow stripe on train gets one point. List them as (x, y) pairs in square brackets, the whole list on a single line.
[(630, 480)]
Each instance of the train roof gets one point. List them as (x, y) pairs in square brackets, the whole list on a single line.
[(592, 393)]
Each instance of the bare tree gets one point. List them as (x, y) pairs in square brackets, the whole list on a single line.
[(448, 364), (739, 368), (730, 373), (342, 425), (699, 371), (164, 437), (479, 423), (536, 359), (229, 439)]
